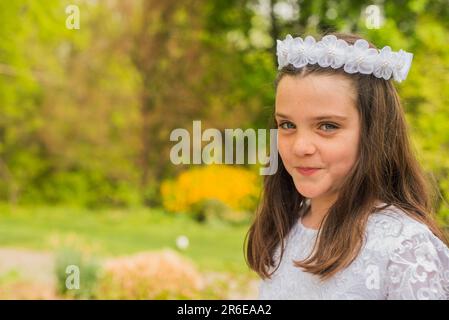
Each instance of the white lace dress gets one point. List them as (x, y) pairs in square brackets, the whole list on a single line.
[(400, 259)]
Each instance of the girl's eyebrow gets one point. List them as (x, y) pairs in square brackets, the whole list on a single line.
[(323, 117)]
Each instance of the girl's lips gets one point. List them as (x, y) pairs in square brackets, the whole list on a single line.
[(307, 171)]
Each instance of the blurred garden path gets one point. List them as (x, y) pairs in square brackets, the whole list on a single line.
[(26, 274), (30, 264)]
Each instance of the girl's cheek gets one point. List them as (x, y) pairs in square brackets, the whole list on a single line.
[(283, 148)]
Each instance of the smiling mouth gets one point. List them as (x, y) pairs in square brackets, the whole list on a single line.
[(307, 171)]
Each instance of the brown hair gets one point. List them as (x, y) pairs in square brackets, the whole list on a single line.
[(386, 170)]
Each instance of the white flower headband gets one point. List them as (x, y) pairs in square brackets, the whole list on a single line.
[(337, 53)]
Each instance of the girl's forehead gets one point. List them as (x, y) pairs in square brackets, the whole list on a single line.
[(318, 86), (316, 95)]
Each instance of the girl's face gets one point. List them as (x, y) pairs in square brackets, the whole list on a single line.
[(318, 127)]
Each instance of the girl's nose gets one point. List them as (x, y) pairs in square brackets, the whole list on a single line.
[(303, 145)]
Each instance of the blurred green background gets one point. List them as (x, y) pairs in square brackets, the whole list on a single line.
[(85, 119)]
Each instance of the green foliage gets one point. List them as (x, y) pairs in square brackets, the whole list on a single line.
[(86, 114), (215, 211), (88, 189)]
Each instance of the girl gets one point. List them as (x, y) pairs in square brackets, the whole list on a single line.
[(348, 214)]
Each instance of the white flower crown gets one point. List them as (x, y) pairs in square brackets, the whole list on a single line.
[(337, 53)]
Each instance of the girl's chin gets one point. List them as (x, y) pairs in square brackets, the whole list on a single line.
[(308, 193), (310, 190)]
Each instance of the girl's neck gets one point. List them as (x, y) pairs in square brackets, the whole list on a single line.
[(317, 211)]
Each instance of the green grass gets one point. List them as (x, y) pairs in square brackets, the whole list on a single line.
[(214, 247)]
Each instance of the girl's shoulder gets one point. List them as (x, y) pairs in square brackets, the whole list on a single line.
[(393, 222), (417, 261), (393, 232)]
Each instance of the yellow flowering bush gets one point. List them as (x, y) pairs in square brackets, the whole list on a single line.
[(236, 188), (150, 275)]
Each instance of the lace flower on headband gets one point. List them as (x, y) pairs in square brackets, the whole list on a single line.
[(337, 53)]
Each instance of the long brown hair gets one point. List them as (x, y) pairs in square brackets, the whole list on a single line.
[(386, 170)]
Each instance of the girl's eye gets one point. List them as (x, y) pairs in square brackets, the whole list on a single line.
[(330, 126), (282, 125), (327, 126)]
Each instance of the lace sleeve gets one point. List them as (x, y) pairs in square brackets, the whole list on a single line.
[(418, 268)]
